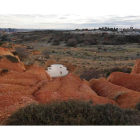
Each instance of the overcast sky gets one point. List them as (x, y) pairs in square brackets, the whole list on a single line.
[(69, 14)]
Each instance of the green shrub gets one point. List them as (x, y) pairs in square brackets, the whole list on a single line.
[(56, 42), (5, 70), (22, 53), (124, 69), (12, 58), (14, 53), (92, 73), (138, 106), (1, 43), (74, 112), (72, 42)]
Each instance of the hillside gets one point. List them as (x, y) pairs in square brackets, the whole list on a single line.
[(92, 55), (21, 85)]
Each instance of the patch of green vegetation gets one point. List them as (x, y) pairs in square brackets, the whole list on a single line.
[(14, 53), (94, 73), (12, 58), (74, 112), (5, 70), (1, 43), (138, 106)]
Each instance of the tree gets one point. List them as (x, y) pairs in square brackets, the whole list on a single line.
[(22, 53), (46, 53)]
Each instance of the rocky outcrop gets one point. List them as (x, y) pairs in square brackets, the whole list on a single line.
[(124, 97), (18, 86), (130, 81), (106, 89), (7, 64), (136, 68), (128, 99), (9, 61), (38, 71), (39, 88), (68, 87)]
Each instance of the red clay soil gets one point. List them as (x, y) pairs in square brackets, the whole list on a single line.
[(38, 71), (30, 87), (6, 64), (16, 87), (124, 97), (128, 100), (5, 51), (136, 68), (12, 102), (68, 87), (106, 89), (130, 81)]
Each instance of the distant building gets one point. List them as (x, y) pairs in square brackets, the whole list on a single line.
[(120, 30), (8, 30), (128, 29), (137, 30)]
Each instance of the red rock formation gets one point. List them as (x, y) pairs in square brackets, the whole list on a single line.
[(136, 68), (128, 100), (39, 71), (5, 51), (6, 64), (68, 87), (124, 97), (16, 90), (106, 89), (130, 81)]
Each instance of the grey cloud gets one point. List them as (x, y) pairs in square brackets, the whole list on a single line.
[(93, 22), (89, 22), (116, 20), (29, 16), (62, 18), (67, 15)]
